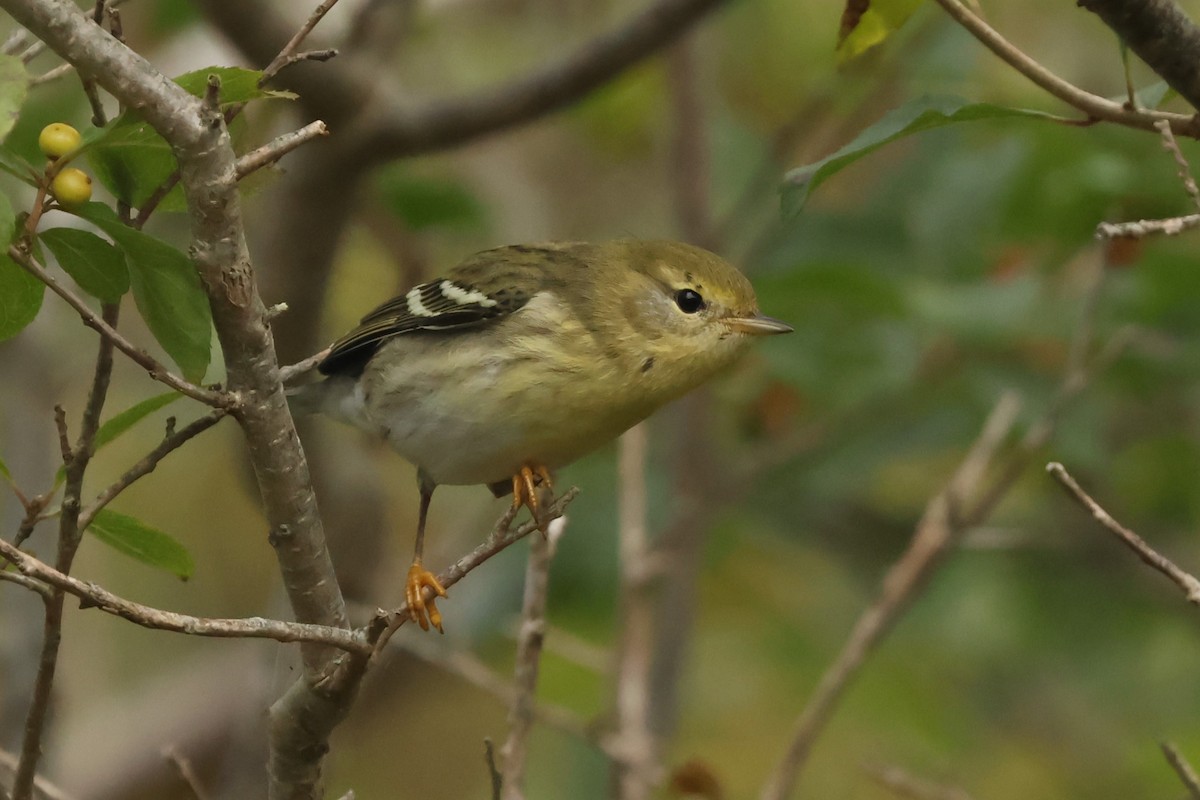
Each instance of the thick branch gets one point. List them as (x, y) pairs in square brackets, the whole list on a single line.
[(446, 123), (1161, 34), (196, 131)]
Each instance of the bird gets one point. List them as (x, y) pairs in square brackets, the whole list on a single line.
[(524, 358)]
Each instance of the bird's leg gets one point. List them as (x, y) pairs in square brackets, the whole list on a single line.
[(421, 611), (528, 483)]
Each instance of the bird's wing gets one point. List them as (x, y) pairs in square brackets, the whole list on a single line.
[(478, 291)]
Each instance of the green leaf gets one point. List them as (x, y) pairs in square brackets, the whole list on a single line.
[(14, 84), (237, 85), (428, 203), (4, 471), (20, 293), (166, 289), (20, 297), (12, 163), (863, 30), (138, 540), (130, 159), (924, 113), (97, 266)]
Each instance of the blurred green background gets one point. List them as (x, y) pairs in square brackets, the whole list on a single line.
[(923, 282)]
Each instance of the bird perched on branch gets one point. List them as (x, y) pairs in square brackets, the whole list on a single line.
[(524, 358)]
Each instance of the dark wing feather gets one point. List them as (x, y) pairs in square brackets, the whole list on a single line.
[(459, 301)]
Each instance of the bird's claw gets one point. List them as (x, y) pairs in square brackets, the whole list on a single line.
[(421, 611), (533, 489)]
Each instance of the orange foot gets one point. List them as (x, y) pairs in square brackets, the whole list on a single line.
[(422, 611), (527, 485)]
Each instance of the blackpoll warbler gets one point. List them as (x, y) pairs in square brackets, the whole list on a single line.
[(524, 358)]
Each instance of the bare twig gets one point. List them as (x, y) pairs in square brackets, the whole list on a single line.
[(1187, 582), (1183, 769), (155, 368), (26, 582), (43, 789), (1171, 226), (75, 463), (287, 54), (278, 147), (489, 757), (94, 596), (902, 784), (323, 54), (183, 766), (170, 443), (1096, 107), (386, 623), (1185, 169), (514, 753), (631, 744), (293, 371), (51, 75), (941, 524)]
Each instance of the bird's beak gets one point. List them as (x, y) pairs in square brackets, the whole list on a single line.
[(758, 325)]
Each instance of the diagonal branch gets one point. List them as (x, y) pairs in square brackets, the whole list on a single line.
[(155, 368), (1187, 582), (941, 525), (407, 131)]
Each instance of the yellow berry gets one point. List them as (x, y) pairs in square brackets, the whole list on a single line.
[(71, 187), (57, 139)]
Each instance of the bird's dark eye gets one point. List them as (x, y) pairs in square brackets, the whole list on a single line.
[(689, 301)]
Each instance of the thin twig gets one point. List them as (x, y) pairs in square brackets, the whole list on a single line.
[(183, 766), (1183, 769), (285, 56), (26, 582), (514, 753), (45, 789), (1096, 107), (386, 623), (93, 596), (1184, 580), (1185, 169), (902, 784), (631, 743), (293, 371), (1171, 226), (156, 369), (51, 75), (489, 757), (75, 464), (278, 147), (170, 443), (941, 524)]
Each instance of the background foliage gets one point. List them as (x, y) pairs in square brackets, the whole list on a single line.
[(923, 281)]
